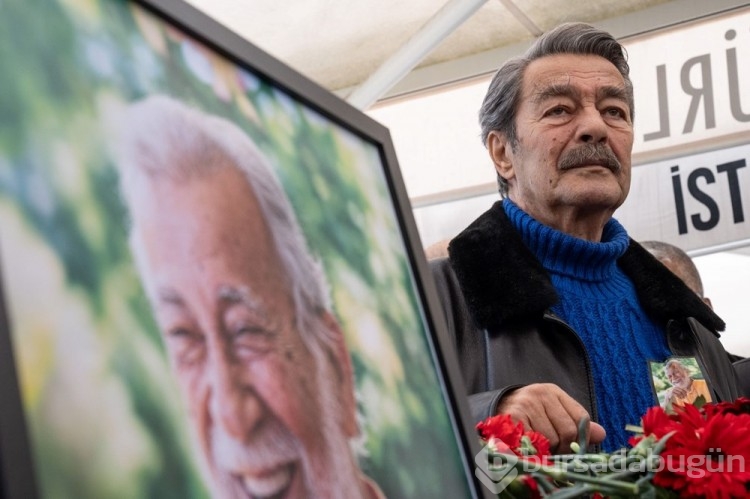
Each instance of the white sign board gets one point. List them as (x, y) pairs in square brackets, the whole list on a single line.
[(692, 86), (692, 95), (694, 202)]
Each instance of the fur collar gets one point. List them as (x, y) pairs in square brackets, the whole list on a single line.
[(501, 278)]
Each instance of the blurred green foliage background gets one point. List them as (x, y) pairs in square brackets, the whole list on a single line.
[(103, 415)]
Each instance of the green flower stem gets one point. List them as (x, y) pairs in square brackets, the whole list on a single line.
[(543, 483), (571, 492), (589, 458), (622, 475), (556, 473), (663, 442), (602, 484)]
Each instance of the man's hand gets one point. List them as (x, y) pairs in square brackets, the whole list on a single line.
[(678, 392), (546, 408), (675, 393)]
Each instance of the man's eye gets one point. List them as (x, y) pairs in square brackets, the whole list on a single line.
[(180, 333), (252, 340), (187, 346), (615, 112), (556, 111)]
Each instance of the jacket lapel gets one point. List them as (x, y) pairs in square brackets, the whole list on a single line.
[(498, 274), (663, 295)]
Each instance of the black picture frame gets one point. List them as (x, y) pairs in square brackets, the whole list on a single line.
[(19, 474)]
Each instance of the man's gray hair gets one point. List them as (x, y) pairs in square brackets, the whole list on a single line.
[(676, 364), (500, 105), (165, 139)]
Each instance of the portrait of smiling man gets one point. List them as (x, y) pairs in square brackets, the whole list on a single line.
[(243, 308), (685, 389), (555, 311)]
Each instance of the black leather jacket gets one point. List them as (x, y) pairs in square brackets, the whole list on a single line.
[(742, 367), (497, 296)]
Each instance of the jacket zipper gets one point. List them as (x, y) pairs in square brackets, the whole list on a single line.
[(549, 316)]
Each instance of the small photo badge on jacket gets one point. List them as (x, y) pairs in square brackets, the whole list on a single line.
[(679, 381)]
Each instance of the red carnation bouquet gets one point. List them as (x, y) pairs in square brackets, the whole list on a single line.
[(693, 452)]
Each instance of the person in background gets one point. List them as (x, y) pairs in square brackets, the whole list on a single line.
[(437, 250), (681, 265), (555, 312), (243, 308)]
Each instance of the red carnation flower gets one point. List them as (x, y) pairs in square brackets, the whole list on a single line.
[(702, 452), (503, 428), (739, 406), (655, 422), (658, 423), (540, 443), (707, 456), (532, 488)]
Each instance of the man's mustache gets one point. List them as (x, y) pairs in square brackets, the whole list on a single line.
[(590, 154), (267, 448)]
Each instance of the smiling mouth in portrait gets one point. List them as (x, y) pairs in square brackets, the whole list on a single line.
[(677, 380), (273, 483), (266, 467)]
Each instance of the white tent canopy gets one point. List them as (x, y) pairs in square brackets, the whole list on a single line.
[(340, 44)]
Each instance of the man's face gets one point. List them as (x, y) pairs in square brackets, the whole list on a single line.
[(569, 104), (678, 376), (252, 386)]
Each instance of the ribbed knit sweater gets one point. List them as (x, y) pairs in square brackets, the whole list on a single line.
[(599, 302)]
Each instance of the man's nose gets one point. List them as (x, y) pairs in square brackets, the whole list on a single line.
[(592, 127), (233, 402)]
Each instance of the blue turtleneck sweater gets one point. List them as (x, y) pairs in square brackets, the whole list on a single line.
[(599, 302)]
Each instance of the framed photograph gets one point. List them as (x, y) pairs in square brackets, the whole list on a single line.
[(211, 283), (679, 381)]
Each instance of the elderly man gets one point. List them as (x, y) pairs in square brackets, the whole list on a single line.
[(243, 308), (555, 311), (685, 389)]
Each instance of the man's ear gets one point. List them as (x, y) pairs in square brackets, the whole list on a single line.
[(501, 153), (342, 366)]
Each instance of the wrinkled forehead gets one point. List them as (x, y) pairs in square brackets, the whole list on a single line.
[(567, 74), (214, 217), (574, 71)]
